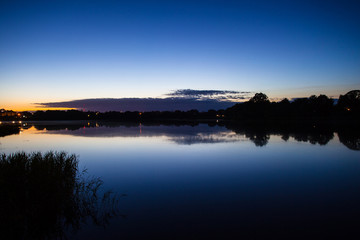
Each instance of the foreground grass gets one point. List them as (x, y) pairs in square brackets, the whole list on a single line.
[(45, 196)]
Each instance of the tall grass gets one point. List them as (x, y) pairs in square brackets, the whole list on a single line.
[(44, 196)]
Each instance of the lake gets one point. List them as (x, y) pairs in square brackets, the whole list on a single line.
[(204, 181)]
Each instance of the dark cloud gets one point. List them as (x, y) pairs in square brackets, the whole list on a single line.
[(184, 100), (191, 92), (141, 104), (217, 94)]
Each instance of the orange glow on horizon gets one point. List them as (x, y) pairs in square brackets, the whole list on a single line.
[(18, 106), (34, 109), (45, 109)]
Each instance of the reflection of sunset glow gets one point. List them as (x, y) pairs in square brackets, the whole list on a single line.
[(32, 130)]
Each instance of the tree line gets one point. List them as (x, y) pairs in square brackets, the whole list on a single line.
[(258, 109)]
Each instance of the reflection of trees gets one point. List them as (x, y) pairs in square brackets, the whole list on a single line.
[(257, 134), (285, 137), (350, 138), (181, 133), (259, 138), (55, 127), (260, 134), (8, 129), (314, 137), (45, 196)]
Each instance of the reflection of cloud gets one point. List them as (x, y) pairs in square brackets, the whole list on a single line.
[(183, 99), (187, 135), (193, 134), (220, 137)]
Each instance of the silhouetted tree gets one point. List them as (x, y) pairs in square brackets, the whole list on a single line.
[(285, 101), (259, 98), (320, 105), (350, 101)]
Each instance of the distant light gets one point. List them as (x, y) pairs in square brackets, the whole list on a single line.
[(0, 122), (140, 113), (13, 121), (348, 109), (20, 122), (88, 115)]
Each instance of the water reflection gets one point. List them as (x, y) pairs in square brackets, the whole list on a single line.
[(188, 133), (9, 129), (260, 135), (44, 196), (213, 190), (350, 138)]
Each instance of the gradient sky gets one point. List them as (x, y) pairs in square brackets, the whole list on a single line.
[(64, 50)]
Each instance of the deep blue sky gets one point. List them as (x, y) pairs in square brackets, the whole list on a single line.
[(66, 50)]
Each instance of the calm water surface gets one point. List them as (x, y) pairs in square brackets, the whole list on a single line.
[(201, 182)]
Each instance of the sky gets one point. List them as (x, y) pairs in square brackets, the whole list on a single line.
[(61, 51)]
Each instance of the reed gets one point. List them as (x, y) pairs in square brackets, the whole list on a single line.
[(45, 196)]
